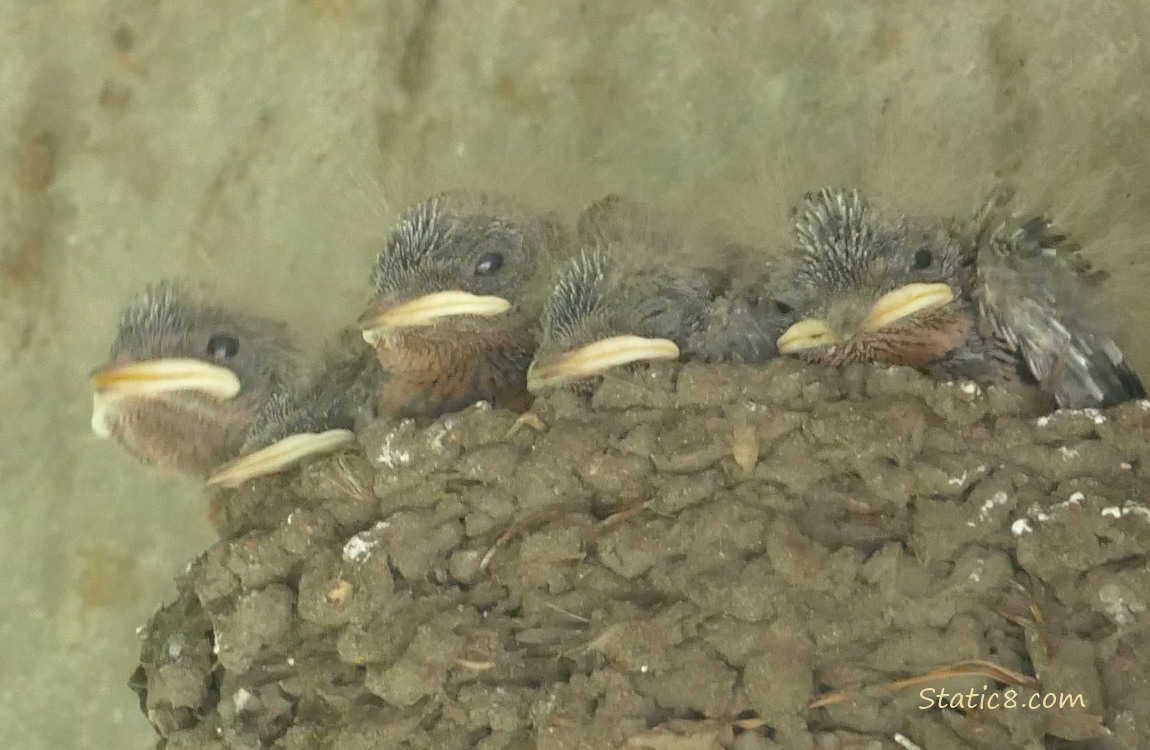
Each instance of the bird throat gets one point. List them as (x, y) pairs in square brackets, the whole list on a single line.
[(183, 433), (918, 341), (440, 369)]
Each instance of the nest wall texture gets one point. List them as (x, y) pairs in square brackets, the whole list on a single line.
[(689, 561)]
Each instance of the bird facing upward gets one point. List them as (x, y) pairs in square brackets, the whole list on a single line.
[(868, 288), (645, 287), (458, 287), (186, 378)]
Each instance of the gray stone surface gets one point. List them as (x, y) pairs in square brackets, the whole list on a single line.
[(263, 146)]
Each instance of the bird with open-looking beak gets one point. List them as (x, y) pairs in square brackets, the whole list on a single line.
[(646, 287), (458, 288), (185, 379)]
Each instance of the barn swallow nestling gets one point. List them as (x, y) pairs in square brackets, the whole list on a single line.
[(1032, 291), (185, 379), (458, 287), (870, 288), (319, 417), (646, 288)]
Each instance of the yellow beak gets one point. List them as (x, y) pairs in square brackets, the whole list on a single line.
[(596, 358), (889, 309), (428, 309), (159, 376), (904, 302), (279, 456), (152, 378), (807, 334)]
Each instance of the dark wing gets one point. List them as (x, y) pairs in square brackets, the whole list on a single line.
[(1030, 286)]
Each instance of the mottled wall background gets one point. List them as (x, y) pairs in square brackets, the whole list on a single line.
[(264, 146)]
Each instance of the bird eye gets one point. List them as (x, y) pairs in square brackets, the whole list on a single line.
[(223, 346), (782, 307), (922, 259), (488, 263)]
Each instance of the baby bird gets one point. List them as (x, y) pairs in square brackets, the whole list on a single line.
[(992, 301), (645, 288), (458, 287), (317, 418), (1031, 292), (186, 378), (869, 288)]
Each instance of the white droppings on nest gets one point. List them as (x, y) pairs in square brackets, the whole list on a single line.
[(1126, 466), (291, 661), (999, 499), (175, 646), (1067, 453), (359, 548), (1040, 515), (1129, 508), (1144, 404), (976, 574), (1021, 526), (241, 698), (389, 456), (1094, 415), (978, 471), (1037, 513), (970, 388), (438, 432)]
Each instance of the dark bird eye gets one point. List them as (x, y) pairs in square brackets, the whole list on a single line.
[(782, 307), (223, 346), (488, 263), (922, 259)]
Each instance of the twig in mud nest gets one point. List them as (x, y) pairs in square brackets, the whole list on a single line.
[(960, 669), (615, 519), (531, 520), (348, 480), (554, 511), (526, 419)]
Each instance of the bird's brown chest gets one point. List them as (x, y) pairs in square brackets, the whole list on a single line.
[(187, 434), (920, 342), (430, 376)]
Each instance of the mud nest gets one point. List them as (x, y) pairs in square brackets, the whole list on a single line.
[(701, 557)]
